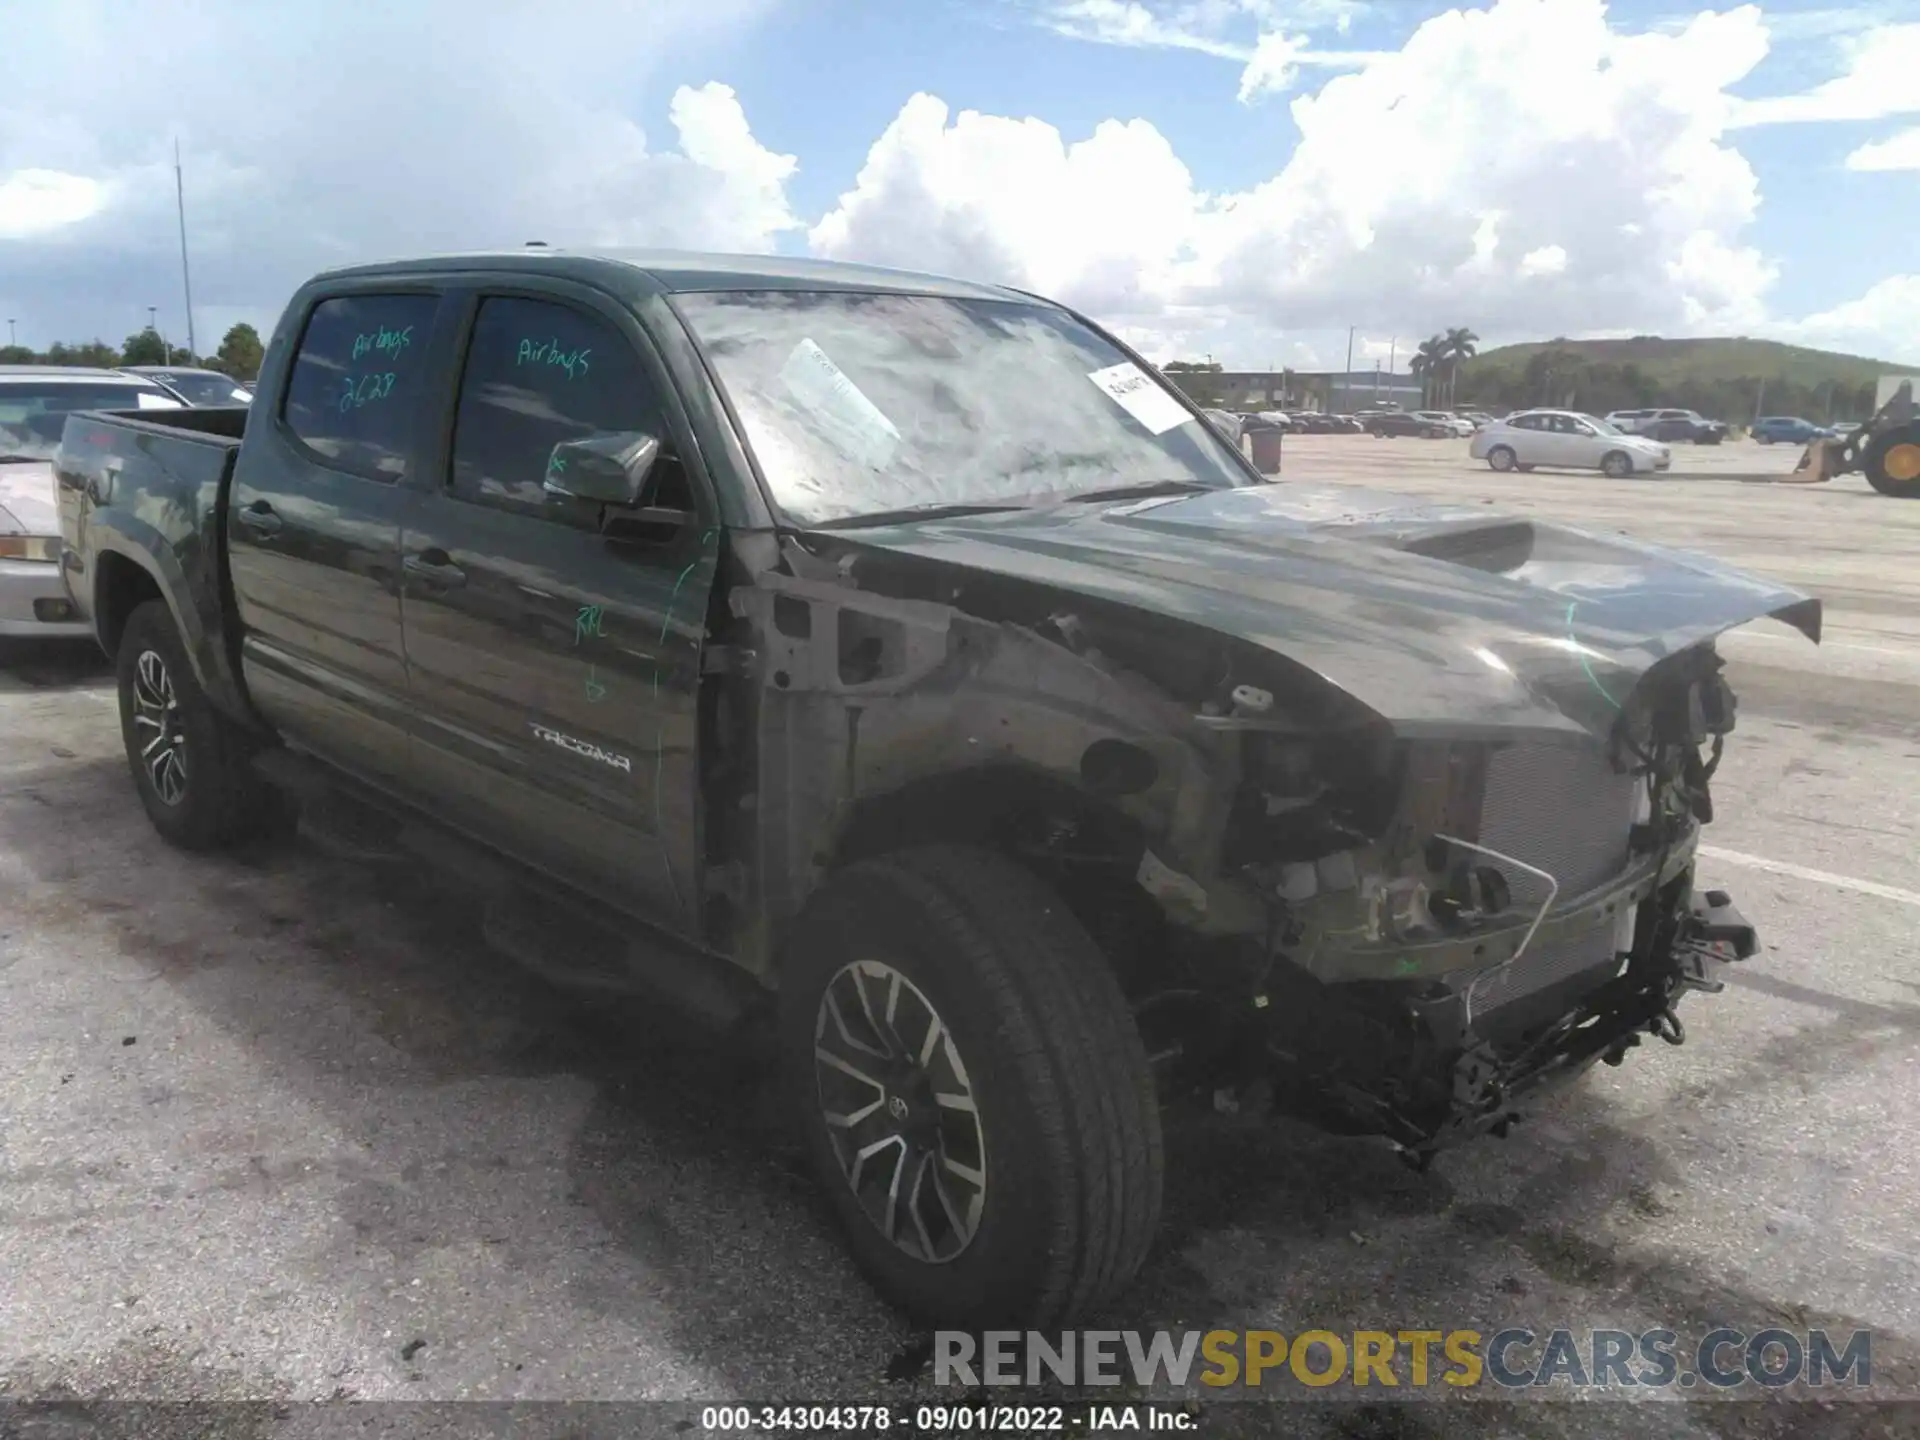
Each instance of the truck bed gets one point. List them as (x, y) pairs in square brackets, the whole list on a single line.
[(153, 484)]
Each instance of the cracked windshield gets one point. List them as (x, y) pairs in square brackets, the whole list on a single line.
[(865, 404)]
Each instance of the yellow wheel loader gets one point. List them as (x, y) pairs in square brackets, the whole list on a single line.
[(1886, 449)]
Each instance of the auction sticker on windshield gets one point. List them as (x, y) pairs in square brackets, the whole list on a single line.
[(854, 422), (1140, 397)]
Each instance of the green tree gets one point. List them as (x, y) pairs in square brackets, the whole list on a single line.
[(1199, 380), (17, 355), (145, 347), (1426, 363), (1553, 375), (240, 353), (93, 352), (1458, 346)]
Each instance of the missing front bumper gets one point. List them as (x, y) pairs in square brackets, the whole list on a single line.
[(1494, 1084)]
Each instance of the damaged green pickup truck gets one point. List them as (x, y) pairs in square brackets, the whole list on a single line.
[(905, 660)]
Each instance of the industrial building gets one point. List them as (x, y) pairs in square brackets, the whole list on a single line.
[(1337, 392)]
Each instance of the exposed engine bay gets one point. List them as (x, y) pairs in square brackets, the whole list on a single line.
[(1452, 925)]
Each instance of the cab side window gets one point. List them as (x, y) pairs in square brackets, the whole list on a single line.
[(354, 392), (538, 374)]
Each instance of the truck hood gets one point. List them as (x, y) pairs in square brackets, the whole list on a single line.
[(29, 504), (1444, 620)]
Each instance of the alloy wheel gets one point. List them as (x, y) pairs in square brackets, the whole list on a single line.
[(159, 727), (899, 1111)]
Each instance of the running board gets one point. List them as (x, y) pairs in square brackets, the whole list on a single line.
[(569, 939)]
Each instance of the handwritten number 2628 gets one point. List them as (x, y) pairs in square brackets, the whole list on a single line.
[(374, 385)]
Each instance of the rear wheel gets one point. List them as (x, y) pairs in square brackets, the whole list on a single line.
[(191, 764), (1892, 463), (1502, 458), (1616, 464), (973, 1092)]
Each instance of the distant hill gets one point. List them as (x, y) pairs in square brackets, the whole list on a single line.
[(1723, 377)]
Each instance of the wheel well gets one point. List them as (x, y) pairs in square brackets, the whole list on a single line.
[(1086, 849), (120, 586)]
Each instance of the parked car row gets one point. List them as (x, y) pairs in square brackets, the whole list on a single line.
[(1667, 426)]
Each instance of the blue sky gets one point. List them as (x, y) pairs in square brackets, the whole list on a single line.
[(1245, 178)]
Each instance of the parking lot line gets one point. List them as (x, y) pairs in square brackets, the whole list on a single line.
[(1826, 644), (1805, 872)]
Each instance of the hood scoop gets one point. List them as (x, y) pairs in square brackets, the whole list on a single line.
[(1497, 547)]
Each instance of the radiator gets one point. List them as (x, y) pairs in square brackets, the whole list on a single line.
[(1566, 810)]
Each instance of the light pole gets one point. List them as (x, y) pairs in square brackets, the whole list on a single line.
[(186, 278)]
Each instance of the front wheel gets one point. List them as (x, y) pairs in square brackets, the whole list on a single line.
[(191, 764), (1616, 464), (972, 1090), (1502, 458), (1892, 463)]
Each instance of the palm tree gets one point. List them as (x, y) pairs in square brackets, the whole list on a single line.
[(1427, 362), (1459, 343)]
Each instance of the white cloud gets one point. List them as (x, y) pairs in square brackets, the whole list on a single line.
[(1878, 81), (1524, 168), (455, 127), (1547, 260), (1896, 152), (1099, 222), (1274, 65), (33, 202), (1272, 56), (1128, 22), (1881, 324)]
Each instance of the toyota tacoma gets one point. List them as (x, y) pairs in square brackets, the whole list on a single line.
[(904, 661)]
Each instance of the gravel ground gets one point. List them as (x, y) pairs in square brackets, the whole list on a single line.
[(278, 1127)]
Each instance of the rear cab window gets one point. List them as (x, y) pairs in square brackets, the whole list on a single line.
[(355, 389)]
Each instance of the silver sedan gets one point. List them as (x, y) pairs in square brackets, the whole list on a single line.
[(35, 401)]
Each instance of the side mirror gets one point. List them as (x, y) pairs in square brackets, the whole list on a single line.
[(610, 469)]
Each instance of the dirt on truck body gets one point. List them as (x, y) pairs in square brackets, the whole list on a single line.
[(905, 659)]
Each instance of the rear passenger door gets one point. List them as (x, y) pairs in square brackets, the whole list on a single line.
[(313, 528), (1529, 440), (554, 664)]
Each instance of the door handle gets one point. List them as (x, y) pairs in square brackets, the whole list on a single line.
[(436, 567), (260, 518)]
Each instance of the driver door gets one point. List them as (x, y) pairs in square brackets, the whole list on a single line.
[(555, 667)]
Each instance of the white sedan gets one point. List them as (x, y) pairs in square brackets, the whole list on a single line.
[(1565, 439), (1458, 424)]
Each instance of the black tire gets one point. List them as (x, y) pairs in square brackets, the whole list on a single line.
[(1616, 465), (1524, 469), (1763, 439), (1502, 458), (1873, 464), (1376, 432), (1712, 437), (219, 799), (1067, 1120)]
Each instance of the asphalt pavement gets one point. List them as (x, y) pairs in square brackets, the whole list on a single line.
[(279, 1127)]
